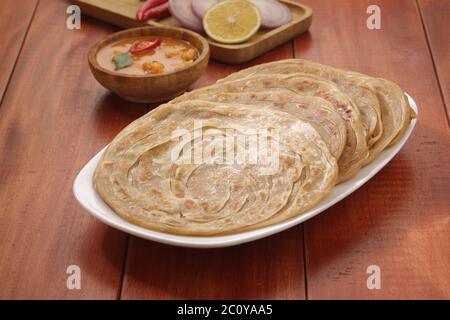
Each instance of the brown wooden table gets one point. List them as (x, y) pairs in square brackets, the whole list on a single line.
[(54, 117)]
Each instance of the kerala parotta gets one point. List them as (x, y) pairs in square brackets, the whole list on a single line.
[(314, 110), (150, 173), (395, 110), (389, 112), (355, 151)]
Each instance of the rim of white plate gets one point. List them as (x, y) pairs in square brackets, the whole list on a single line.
[(89, 199)]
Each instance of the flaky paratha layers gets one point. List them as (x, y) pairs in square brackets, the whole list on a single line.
[(148, 176), (355, 151), (314, 110), (393, 112), (363, 95)]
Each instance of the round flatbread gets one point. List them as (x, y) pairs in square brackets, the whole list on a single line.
[(361, 93), (314, 110), (154, 175), (355, 151), (385, 110), (395, 111)]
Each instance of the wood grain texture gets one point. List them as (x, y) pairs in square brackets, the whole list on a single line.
[(266, 269), (270, 268), (15, 18), (436, 19), (53, 119), (217, 70), (400, 219)]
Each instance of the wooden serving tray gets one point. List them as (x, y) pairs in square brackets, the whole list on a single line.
[(123, 12)]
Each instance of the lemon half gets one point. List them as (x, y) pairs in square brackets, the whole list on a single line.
[(232, 21)]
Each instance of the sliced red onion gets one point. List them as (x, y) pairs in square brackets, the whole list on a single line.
[(273, 13), (200, 7), (182, 11)]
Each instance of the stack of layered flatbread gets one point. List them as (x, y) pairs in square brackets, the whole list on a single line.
[(326, 124)]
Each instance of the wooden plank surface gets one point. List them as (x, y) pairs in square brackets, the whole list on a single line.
[(156, 271), (270, 268), (53, 119), (436, 19), (400, 219), (15, 18), (55, 116)]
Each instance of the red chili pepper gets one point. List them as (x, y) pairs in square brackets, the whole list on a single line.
[(145, 45), (152, 9)]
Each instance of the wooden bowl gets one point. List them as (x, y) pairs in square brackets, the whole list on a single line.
[(152, 87)]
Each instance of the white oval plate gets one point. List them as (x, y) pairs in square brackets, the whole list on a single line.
[(90, 200)]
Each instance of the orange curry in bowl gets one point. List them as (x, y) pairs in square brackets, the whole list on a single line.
[(147, 55)]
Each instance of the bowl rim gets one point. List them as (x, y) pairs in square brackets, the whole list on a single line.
[(92, 55)]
